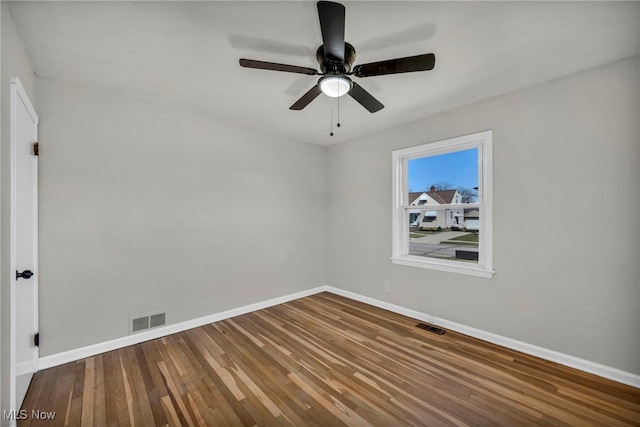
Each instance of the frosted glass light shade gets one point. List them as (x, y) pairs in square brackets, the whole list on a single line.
[(335, 86)]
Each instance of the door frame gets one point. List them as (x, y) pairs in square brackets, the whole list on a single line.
[(18, 94)]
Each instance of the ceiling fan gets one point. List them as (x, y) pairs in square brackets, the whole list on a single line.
[(336, 57)]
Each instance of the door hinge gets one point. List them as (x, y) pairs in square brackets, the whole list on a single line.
[(36, 339), (36, 149)]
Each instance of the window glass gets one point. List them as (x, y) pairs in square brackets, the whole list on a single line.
[(444, 179)]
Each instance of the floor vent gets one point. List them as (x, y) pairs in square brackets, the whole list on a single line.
[(430, 328), (147, 322)]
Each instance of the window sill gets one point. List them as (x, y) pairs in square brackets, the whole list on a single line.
[(420, 262)]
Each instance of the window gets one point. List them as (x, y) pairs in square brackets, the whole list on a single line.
[(442, 202)]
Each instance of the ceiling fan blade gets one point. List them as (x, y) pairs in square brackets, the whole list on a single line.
[(262, 65), (332, 27), (395, 66), (306, 98), (365, 98)]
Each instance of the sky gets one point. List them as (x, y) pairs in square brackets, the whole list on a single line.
[(459, 168)]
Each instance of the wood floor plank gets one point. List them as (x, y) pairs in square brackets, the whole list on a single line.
[(149, 387), (324, 360), (61, 401), (87, 394), (99, 390)]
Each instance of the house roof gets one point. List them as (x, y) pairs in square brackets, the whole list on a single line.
[(414, 195), (444, 197)]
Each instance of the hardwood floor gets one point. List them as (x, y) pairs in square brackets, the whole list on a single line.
[(324, 361)]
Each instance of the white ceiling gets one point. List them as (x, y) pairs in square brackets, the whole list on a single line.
[(185, 54)]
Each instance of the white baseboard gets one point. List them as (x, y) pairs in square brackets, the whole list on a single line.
[(91, 350), (551, 355), (534, 350)]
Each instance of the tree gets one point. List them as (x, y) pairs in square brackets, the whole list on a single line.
[(468, 194), (442, 185)]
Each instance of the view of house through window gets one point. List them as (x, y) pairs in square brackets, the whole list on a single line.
[(442, 205), (445, 188)]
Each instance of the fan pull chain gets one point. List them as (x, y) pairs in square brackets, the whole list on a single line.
[(338, 124), (331, 126), (338, 117)]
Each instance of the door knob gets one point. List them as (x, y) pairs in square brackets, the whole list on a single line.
[(25, 274)]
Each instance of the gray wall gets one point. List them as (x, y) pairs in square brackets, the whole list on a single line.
[(566, 222), (145, 209), (14, 64)]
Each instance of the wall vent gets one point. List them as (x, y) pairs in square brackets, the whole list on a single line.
[(156, 320), (139, 324), (147, 322)]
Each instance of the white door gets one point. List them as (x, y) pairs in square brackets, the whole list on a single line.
[(24, 242)]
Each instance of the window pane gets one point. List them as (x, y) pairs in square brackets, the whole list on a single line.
[(428, 236), (451, 179), (434, 179)]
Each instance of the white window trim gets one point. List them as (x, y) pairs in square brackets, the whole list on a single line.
[(484, 142)]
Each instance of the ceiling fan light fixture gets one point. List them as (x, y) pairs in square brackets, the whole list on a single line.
[(335, 86)]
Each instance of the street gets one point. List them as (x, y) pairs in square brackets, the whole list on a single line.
[(430, 246)]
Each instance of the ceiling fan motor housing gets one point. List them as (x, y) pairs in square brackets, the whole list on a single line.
[(336, 66)]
